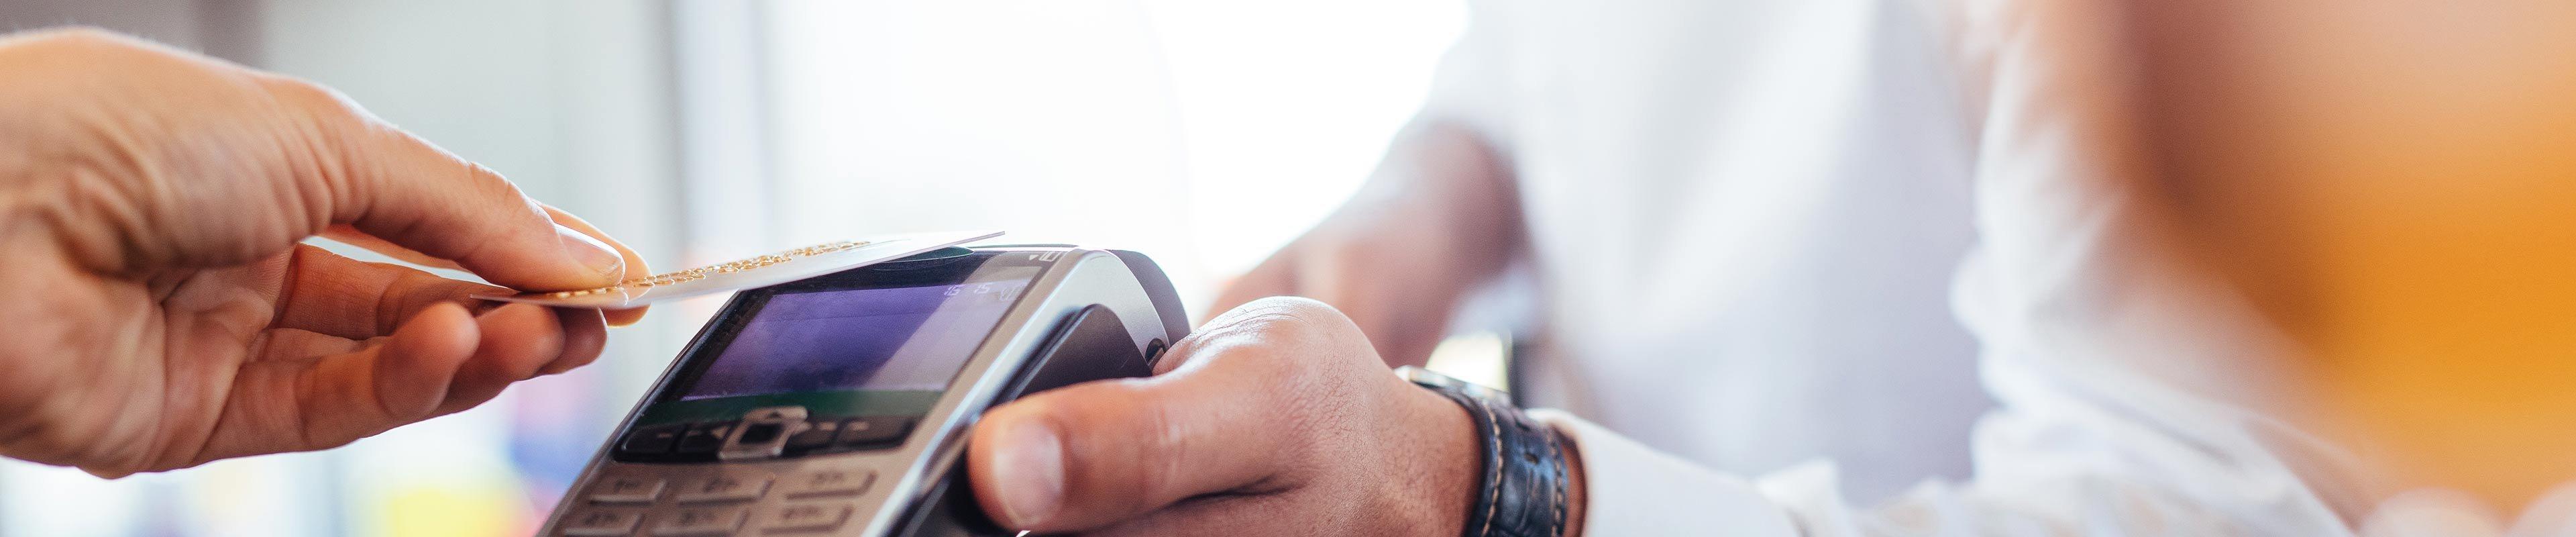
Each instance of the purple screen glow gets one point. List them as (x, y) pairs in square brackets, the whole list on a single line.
[(904, 338)]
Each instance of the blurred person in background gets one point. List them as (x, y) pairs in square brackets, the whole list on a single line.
[(2230, 269)]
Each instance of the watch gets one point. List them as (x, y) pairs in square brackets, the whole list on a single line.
[(1522, 492)]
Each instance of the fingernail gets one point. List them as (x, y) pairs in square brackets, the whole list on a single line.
[(589, 252), (1032, 472)]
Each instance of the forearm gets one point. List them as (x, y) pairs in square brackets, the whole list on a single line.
[(1439, 216)]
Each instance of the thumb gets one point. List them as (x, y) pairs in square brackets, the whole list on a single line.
[(1091, 455), (391, 185), (1241, 413)]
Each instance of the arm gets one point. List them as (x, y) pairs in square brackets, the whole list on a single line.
[(1439, 216), (1277, 419)]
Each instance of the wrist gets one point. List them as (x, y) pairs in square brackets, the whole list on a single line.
[(1577, 498), (1439, 463), (1522, 473)]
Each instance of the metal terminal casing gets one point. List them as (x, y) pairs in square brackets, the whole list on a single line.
[(1088, 313)]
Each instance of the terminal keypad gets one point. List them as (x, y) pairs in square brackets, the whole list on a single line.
[(716, 500), (669, 488)]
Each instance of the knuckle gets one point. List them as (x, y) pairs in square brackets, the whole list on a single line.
[(493, 186), (324, 123), (322, 102), (1297, 332), (1297, 307), (1290, 319)]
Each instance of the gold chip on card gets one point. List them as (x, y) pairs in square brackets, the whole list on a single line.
[(772, 269)]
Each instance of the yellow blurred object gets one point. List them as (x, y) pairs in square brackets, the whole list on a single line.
[(453, 512), (1482, 357)]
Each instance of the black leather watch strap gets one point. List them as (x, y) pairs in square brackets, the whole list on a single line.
[(1522, 492)]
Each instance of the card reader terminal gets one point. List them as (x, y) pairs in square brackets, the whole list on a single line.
[(840, 404)]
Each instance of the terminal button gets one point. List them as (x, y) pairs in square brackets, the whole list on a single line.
[(806, 516), (626, 489), (654, 440), (704, 438), (722, 487), (818, 433), (876, 431), (761, 433), (701, 521), (602, 522), (827, 482)]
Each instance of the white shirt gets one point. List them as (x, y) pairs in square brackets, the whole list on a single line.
[(1744, 215), (1745, 219)]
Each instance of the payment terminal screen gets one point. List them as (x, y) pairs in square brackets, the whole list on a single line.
[(911, 339)]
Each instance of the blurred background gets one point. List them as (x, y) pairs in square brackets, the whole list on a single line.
[(1203, 132)]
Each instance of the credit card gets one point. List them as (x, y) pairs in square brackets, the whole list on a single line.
[(772, 269)]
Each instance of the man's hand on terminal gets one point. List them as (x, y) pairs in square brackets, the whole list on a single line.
[(161, 312), (1276, 418)]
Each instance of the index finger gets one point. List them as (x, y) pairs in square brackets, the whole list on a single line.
[(391, 185), (634, 262)]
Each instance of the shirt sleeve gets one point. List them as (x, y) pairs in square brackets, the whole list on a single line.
[(2063, 469), (1631, 489)]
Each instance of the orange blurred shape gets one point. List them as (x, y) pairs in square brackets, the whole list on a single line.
[(2394, 182)]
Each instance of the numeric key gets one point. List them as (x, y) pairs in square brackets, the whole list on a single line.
[(694, 521), (626, 489), (602, 522), (722, 487), (827, 482), (806, 516)]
